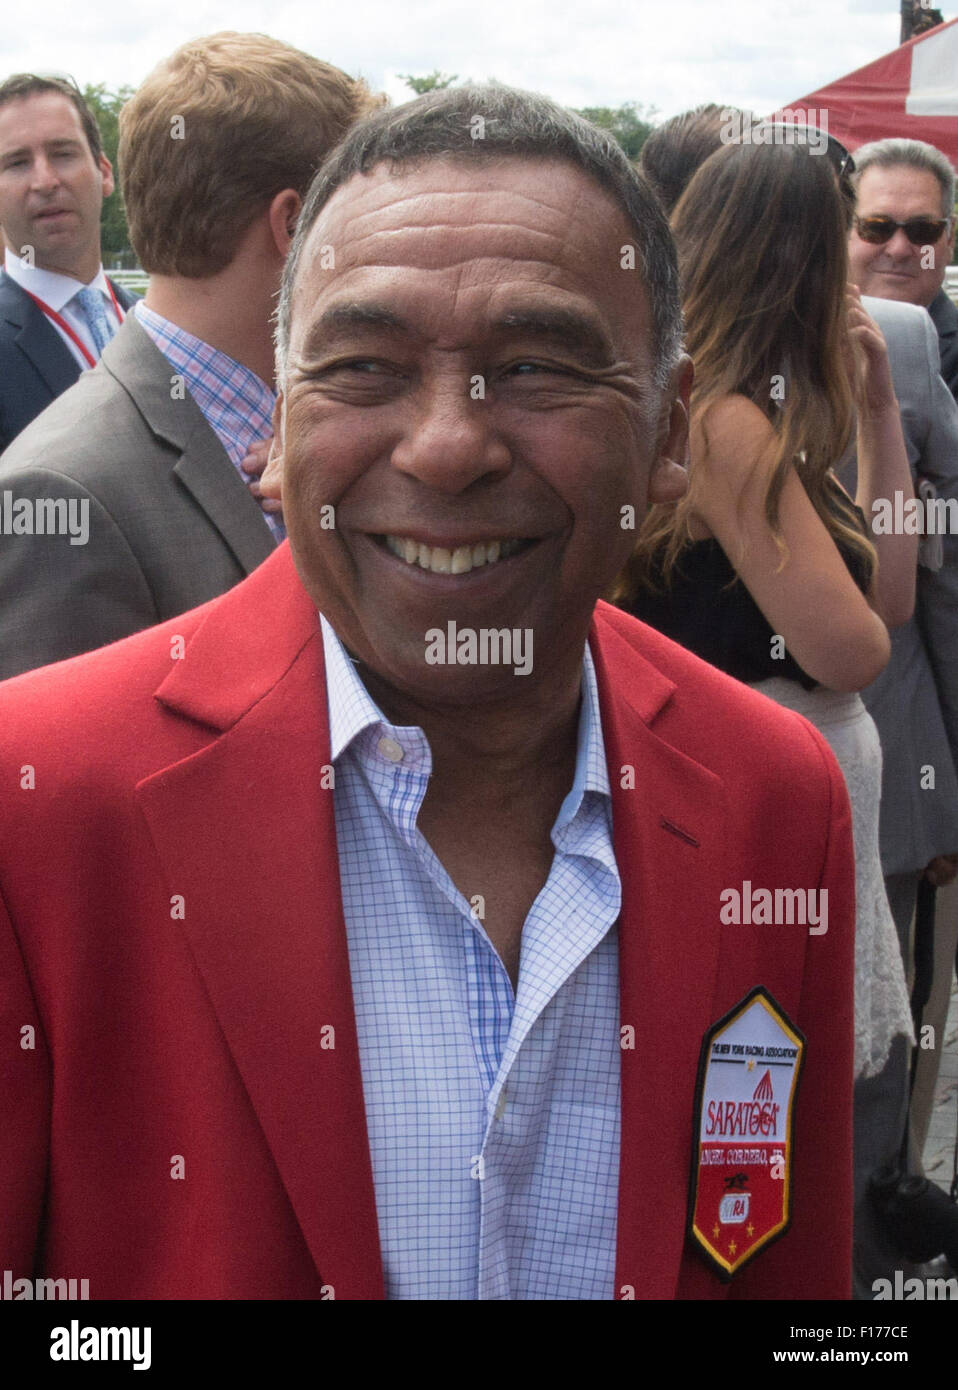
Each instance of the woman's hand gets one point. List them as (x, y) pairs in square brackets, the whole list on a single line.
[(253, 464), (869, 367)]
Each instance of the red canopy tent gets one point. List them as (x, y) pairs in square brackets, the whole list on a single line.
[(911, 91)]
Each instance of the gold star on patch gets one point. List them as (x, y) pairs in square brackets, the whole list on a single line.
[(751, 1064), (715, 1230), (732, 1247), (750, 1229)]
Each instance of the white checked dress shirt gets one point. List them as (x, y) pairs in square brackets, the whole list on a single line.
[(493, 1119)]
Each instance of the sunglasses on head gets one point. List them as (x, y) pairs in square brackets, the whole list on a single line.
[(840, 158), (920, 231)]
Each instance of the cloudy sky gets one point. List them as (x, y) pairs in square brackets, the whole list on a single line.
[(669, 54)]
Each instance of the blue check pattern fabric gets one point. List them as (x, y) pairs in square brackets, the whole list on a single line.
[(237, 404), (493, 1117)]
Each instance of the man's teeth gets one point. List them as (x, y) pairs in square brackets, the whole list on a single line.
[(442, 561)]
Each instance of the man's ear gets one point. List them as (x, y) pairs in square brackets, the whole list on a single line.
[(106, 170), (271, 478), (669, 478), (283, 212)]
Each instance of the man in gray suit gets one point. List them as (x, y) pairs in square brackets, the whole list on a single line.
[(123, 503), (902, 241), (914, 703)]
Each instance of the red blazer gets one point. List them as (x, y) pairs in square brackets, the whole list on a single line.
[(171, 928)]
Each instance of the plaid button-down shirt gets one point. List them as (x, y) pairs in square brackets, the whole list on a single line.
[(237, 404)]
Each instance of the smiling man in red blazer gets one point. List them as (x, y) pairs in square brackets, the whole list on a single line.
[(473, 940)]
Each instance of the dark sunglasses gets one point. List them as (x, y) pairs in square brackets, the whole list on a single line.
[(920, 231), (840, 158)]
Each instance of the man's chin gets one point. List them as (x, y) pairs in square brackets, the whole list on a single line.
[(458, 668), (906, 289)]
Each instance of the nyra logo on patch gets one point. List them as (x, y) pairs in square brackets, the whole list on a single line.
[(742, 1156)]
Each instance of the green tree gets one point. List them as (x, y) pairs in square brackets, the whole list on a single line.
[(432, 82), (115, 238), (630, 124)]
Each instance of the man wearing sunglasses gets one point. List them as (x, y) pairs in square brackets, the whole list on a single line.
[(899, 246), (904, 233)]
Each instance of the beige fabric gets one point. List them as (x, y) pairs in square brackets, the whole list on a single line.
[(881, 997)]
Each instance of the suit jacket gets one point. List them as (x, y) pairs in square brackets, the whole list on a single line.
[(171, 926), (944, 315), (171, 523), (914, 701), (35, 363)]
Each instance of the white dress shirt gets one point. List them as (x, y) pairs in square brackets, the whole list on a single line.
[(493, 1116), (57, 292)]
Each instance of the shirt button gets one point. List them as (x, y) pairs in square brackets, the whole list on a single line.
[(501, 1104), (390, 750)]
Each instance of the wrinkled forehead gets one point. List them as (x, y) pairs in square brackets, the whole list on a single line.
[(447, 227)]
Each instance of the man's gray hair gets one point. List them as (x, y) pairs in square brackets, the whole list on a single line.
[(496, 122), (916, 154)]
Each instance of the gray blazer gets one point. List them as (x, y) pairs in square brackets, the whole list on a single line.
[(171, 523), (914, 701)]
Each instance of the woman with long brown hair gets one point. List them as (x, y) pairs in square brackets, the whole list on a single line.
[(766, 568)]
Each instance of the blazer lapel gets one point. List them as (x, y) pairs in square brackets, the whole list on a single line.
[(247, 833), (203, 467), (37, 339), (667, 830), (125, 299)]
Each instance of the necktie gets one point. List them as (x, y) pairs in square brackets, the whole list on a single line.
[(91, 302)]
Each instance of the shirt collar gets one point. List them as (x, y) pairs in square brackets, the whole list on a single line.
[(352, 710), (351, 707), (54, 289), (237, 403)]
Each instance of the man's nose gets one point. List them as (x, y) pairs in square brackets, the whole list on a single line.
[(452, 439), (900, 248), (43, 175)]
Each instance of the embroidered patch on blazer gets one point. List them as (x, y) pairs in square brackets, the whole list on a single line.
[(740, 1187)]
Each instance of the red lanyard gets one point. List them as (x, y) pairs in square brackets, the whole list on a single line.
[(61, 322)]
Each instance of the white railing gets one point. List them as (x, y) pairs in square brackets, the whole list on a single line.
[(132, 280)]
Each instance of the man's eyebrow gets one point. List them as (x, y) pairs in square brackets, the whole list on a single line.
[(61, 142), (347, 316), (361, 315), (565, 326)]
